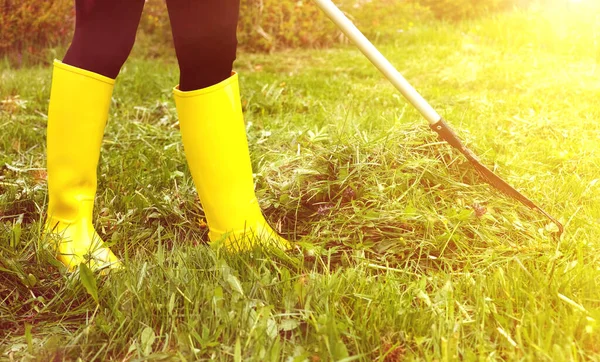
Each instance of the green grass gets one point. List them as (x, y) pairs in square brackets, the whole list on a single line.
[(405, 254)]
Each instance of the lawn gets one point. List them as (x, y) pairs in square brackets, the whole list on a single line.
[(403, 252)]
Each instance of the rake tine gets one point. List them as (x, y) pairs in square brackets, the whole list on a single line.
[(448, 135)]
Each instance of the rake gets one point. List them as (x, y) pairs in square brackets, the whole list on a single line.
[(436, 122)]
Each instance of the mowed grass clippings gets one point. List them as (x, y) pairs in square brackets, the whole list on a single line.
[(403, 252)]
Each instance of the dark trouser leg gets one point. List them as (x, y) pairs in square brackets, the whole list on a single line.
[(204, 32), (104, 34)]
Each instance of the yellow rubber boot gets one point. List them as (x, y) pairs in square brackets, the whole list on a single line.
[(216, 148), (79, 102)]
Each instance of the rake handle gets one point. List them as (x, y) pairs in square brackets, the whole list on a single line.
[(378, 60)]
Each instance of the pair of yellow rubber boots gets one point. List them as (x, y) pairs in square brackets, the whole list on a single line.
[(216, 149)]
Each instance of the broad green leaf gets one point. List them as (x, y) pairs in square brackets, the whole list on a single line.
[(16, 234), (28, 337), (147, 340), (88, 279), (272, 328), (339, 350), (288, 324), (235, 284), (237, 355), (171, 303)]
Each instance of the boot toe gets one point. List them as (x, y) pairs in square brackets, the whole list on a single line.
[(73, 246), (260, 235)]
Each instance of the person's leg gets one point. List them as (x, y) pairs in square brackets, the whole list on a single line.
[(204, 33), (80, 97), (104, 34), (212, 124)]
